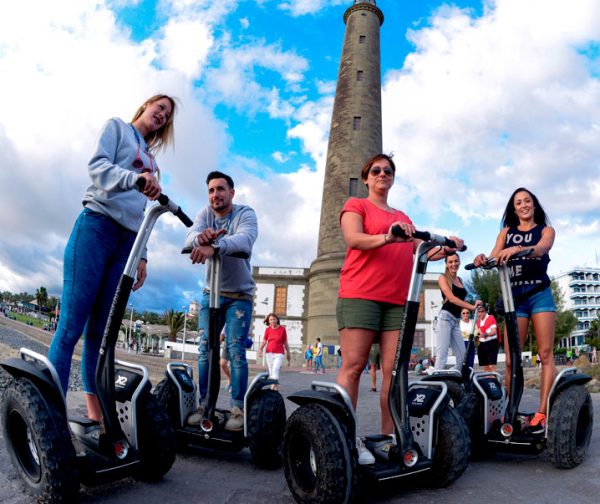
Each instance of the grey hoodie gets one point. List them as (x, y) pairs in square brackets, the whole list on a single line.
[(236, 274), (113, 192)]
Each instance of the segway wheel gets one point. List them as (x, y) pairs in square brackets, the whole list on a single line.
[(318, 463), (470, 409), (38, 440), (570, 427), (266, 423), (156, 440), (452, 449), (456, 392), (165, 393)]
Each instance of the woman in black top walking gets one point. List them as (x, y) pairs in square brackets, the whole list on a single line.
[(448, 329), (525, 226)]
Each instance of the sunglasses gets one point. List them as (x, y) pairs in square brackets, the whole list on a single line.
[(138, 163), (376, 170)]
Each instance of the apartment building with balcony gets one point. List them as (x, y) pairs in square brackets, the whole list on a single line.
[(581, 291)]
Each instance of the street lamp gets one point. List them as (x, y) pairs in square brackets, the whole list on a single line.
[(130, 329), (184, 327)]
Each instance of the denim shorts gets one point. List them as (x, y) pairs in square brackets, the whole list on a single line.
[(538, 303), (366, 314)]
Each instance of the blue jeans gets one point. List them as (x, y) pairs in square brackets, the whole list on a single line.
[(236, 314), (448, 335), (319, 363), (94, 261)]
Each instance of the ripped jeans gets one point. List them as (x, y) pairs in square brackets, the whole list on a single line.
[(236, 314)]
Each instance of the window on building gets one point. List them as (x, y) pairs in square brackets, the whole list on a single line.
[(353, 187), (280, 300), (359, 75), (356, 123), (419, 341), (361, 39)]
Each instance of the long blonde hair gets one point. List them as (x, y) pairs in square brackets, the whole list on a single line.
[(165, 135)]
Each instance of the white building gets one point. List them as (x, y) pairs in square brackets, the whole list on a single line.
[(581, 291), (284, 291), (281, 291)]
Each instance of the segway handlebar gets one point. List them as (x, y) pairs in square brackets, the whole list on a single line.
[(238, 255), (164, 200), (427, 237), (492, 262)]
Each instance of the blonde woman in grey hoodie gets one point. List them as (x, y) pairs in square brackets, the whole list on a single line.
[(104, 233)]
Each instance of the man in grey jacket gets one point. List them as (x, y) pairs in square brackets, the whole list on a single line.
[(224, 228)]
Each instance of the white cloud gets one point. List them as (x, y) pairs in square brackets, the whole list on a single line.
[(236, 82), (66, 71), (485, 104), (302, 7)]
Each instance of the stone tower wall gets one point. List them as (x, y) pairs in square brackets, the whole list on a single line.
[(355, 136)]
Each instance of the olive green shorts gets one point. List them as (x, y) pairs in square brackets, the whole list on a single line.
[(364, 314)]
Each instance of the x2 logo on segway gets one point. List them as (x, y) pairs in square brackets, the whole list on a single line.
[(492, 388), (125, 384), (420, 400)]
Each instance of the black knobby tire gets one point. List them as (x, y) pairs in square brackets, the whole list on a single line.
[(165, 393), (38, 440), (456, 392), (318, 463), (156, 439), (452, 449), (470, 409), (266, 423), (570, 427)]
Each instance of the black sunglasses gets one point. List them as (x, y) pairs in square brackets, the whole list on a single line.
[(376, 170)]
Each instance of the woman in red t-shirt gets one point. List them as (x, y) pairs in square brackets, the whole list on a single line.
[(275, 340), (374, 284)]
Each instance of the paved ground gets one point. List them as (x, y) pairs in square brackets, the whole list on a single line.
[(202, 476)]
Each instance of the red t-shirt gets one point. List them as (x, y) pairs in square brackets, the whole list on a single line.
[(275, 339), (381, 274), (484, 326)]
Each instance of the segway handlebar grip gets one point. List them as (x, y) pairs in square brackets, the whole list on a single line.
[(237, 255), (428, 237), (491, 261), (164, 200)]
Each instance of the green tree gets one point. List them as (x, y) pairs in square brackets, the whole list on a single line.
[(592, 337), (486, 285), (41, 296), (174, 320)]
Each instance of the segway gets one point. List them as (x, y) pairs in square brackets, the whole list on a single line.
[(264, 409), (495, 421), (433, 445), (460, 382), (54, 452)]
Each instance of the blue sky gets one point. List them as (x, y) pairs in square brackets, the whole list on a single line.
[(478, 98)]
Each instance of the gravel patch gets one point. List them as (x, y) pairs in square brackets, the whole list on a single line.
[(12, 340)]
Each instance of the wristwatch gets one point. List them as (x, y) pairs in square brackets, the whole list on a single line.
[(215, 246)]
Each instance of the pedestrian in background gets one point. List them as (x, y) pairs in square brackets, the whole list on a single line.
[(308, 357), (454, 294), (465, 329), (275, 339), (487, 351), (319, 356), (374, 364)]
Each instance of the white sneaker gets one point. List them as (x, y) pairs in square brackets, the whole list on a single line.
[(365, 457), (236, 420), (196, 418)]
